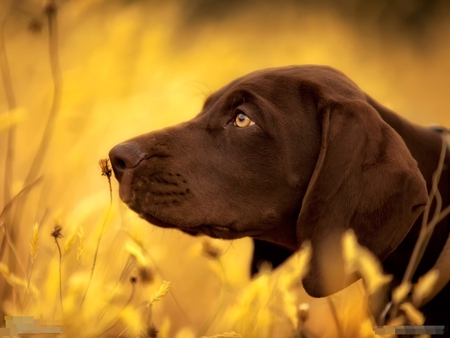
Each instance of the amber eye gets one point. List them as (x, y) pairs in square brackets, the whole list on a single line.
[(243, 121)]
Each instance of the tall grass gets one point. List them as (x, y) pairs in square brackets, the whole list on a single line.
[(127, 70)]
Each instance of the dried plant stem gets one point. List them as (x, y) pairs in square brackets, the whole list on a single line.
[(124, 272), (34, 246), (205, 326), (12, 105), (427, 227), (12, 246), (25, 190), (10, 145), (335, 317), (94, 263), (60, 273), (106, 171), (29, 280), (110, 189), (3, 215), (50, 11), (115, 321)]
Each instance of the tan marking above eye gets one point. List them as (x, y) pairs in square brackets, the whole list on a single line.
[(243, 121)]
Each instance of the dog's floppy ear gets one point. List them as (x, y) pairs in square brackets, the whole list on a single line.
[(365, 179)]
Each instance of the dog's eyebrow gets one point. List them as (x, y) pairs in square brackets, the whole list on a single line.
[(244, 97)]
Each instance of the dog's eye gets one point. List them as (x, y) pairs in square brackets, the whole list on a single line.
[(243, 121)]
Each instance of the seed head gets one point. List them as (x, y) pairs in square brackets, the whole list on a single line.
[(56, 233), (106, 169), (34, 242)]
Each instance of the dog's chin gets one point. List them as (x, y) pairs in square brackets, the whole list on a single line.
[(228, 231)]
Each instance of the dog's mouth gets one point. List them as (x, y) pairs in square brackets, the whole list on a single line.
[(162, 200), (227, 231)]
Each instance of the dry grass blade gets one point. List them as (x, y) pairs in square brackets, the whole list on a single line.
[(10, 145), (34, 246), (106, 171), (427, 228), (50, 11), (6, 236), (335, 317), (208, 322), (12, 105)]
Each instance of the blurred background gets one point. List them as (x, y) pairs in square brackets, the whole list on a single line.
[(132, 66)]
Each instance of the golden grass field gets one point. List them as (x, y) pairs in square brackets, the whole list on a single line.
[(132, 67)]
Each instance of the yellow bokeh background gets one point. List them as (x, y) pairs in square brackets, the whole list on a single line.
[(130, 67)]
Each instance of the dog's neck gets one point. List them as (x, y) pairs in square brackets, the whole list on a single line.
[(425, 146)]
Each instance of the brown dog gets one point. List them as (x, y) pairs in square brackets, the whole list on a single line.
[(291, 154)]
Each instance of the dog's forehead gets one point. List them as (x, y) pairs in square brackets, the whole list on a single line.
[(286, 80)]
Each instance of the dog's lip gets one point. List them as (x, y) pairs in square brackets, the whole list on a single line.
[(212, 230)]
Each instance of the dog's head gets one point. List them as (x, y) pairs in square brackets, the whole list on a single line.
[(282, 155)]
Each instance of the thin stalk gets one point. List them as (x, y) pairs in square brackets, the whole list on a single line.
[(10, 146), (94, 263), (12, 105), (427, 226), (130, 298), (56, 233), (205, 326), (7, 238), (335, 317), (427, 229), (50, 12), (106, 171)]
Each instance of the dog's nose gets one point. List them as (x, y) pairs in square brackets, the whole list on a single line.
[(125, 155)]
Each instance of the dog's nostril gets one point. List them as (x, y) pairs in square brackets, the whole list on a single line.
[(125, 155), (120, 164)]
